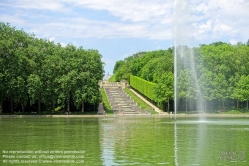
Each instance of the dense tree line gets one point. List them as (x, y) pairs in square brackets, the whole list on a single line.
[(222, 73), (39, 72)]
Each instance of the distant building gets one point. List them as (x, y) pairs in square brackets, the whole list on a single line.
[(107, 77)]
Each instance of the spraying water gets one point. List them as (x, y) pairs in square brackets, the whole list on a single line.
[(187, 93)]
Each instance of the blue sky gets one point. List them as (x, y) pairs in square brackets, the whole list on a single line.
[(121, 28)]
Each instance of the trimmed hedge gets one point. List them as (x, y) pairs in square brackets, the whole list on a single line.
[(143, 86)]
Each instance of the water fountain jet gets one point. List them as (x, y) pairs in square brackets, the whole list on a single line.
[(186, 82)]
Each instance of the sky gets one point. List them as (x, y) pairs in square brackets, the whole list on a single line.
[(118, 28)]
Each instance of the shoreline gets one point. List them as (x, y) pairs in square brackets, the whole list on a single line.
[(131, 115)]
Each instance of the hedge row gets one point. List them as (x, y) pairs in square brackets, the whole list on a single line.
[(143, 86)]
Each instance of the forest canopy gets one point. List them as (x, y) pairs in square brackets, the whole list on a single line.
[(222, 73), (38, 74)]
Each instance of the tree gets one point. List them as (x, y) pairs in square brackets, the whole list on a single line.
[(247, 43), (52, 69), (118, 64), (38, 72), (164, 89), (35, 89), (220, 88), (185, 87), (205, 81), (241, 92), (1, 92)]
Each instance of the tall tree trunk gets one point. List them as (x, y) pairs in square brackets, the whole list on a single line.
[(39, 104), (1, 104), (11, 105), (1, 107), (68, 106), (168, 104), (22, 105), (205, 105), (237, 104), (186, 105), (247, 105), (83, 107), (223, 105), (53, 107)]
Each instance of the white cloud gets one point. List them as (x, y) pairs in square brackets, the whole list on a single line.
[(85, 28), (14, 19), (233, 41), (63, 44), (135, 19), (203, 20), (51, 39), (54, 5), (131, 10), (195, 19)]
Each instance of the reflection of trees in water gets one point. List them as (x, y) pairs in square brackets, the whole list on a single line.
[(142, 140)]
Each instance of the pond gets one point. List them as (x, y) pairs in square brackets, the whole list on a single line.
[(124, 141)]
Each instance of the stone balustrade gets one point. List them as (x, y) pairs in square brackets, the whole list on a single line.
[(123, 84)]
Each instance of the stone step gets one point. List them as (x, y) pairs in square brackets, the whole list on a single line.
[(117, 91), (118, 97), (141, 112), (125, 109), (107, 92), (121, 103), (124, 104), (131, 113)]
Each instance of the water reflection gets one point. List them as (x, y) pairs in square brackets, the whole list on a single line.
[(211, 142), (134, 140), (107, 141), (139, 141), (175, 144)]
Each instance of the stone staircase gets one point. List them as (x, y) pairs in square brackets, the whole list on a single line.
[(121, 103)]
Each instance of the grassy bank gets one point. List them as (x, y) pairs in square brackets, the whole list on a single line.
[(106, 103), (139, 101), (234, 112)]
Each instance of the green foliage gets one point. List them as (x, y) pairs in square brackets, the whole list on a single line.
[(241, 91), (233, 112), (147, 65), (118, 65), (143, 86), (164, 89), (37, 71), (219, 68), (58, 108)]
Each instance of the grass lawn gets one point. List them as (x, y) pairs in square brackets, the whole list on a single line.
[(106, 103), (139, 101), (234, 112)]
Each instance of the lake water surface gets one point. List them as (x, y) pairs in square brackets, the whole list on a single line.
[(124, 141)]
